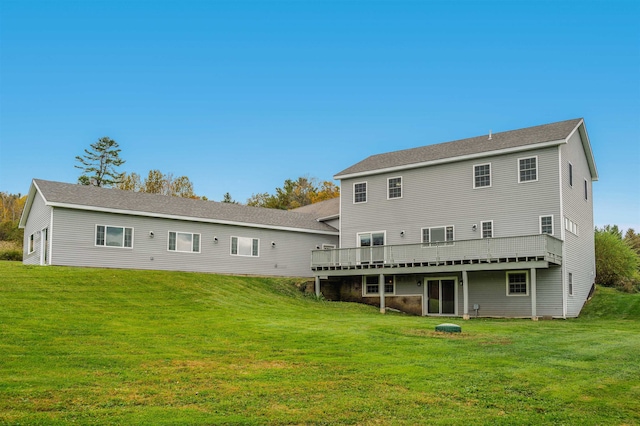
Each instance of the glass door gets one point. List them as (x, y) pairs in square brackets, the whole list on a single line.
[(371, 247), (441, 296)]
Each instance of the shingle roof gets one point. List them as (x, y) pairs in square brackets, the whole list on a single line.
[(109, 199), (322, 209), (464, 147)]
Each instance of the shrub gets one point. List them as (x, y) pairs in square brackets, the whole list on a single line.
[(616, 261), (10, 255)]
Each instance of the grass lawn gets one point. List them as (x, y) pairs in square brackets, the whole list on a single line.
[(144, 347)]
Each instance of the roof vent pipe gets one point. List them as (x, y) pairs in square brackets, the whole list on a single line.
[(489, 134)]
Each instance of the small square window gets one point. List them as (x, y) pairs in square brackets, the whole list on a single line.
[(482, 175), (395, 187), (528, 169), (546, 225), (371, 285), (517, 283), (360, 192)]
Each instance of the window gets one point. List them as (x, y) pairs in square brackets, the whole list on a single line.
[(586, 190), (517, 283), (360, 192), (114, 236), (487, 229), (31, 243), (570, 174), (394, 186), (371, 285), (570, 284), (328, 246), (482, 175), (372, 247), (243, 246), (546, 225), (436, 235), (184, 242), (528, 169), (571, 226)]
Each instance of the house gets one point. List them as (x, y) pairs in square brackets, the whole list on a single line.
[(76, 225), (496, 225)]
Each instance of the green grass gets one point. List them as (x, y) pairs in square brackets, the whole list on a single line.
[(93, 346)]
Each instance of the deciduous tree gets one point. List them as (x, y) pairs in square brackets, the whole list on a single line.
[(295, 193)]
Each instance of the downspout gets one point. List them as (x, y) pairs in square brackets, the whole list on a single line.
[(562, 236)]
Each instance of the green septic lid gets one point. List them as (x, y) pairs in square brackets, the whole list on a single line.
[(449, 328)]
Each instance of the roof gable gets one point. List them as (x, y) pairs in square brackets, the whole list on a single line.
[(513, 140), (112, 200)]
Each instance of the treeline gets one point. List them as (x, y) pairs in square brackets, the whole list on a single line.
[(618, 258), (296, 193), (11, 210)]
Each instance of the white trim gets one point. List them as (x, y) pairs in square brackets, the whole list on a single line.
[(324, 219), (537, 169), (328, 246), (490, 176), (95, 234), (184, 251), (562, 235), (451, 159), (190, 218), (527, 283), (366, 192), (482, 231), (540, 223), (389, 189), (31, 243)]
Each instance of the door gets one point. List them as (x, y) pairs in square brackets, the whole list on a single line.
[(371, 247), (441, 296)]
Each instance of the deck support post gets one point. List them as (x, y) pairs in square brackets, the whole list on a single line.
[(534, 291), (381, 291), (465, 295), (317, 286)]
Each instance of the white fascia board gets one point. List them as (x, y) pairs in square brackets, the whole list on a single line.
[(588, 152), (33, 191), (452, 159), (189, 218), (333, 216)]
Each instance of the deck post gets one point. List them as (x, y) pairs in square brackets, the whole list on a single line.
[(317, 286), (465, 295), (381, 291), (534, 314)]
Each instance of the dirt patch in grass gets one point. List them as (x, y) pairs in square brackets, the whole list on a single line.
[(480, 338)]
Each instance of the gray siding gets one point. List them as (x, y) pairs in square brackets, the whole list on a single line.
[(579, 251), (38, 219), (489, 290), (74, 245), (444, 195)]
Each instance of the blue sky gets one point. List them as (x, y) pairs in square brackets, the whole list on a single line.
[(240, 96)]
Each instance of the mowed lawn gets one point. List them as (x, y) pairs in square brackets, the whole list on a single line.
[(96, 346)]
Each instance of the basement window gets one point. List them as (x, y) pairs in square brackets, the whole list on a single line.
[(517, 283), (371, 286)]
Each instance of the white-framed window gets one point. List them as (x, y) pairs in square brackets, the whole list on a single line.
[(438, 234), (185, 242), (482, 175), (570, 283), (32, 245), (394, 187), (570, 174), (371, 285), (517, 283), (114, 236), (486, 228), (527, 169), (571, 226), (244, 246), (586, 190), (360, 192), (546, 224)]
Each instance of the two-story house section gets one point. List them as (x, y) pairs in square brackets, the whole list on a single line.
[(495, 225)]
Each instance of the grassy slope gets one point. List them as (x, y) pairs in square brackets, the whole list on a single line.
[(140, 347)]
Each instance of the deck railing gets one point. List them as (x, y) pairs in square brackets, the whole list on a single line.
[(478, 250)]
